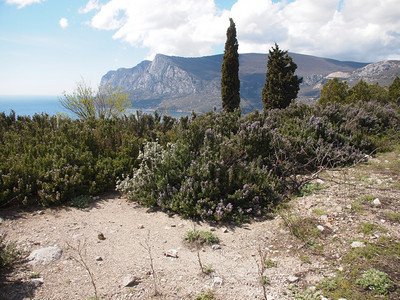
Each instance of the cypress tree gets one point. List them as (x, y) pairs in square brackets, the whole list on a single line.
[(281, 85), (230, 84)]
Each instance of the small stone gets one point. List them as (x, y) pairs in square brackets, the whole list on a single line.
[(312, 288), (342, 299), (181, 225), (293, 279), (171, 253), (324, 218), (173, 225), (140, 226), (376, 202), (129, 280), (319, 181), (36, 282), (225, 230), (167, 227), (212, 228), (101, 237), (340, 269), (99, 258), (216, 247), (357, 244), (217, 281), (320, 228)]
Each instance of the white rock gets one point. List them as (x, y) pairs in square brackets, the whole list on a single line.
[(324, 218), (319, 181), (216, 247), (45, 255), (225, 230), (293, 279), (217, 281), (342, 299), (181, 225), (320, 228), (171, 253), (129, 280), (357, 244), (140, 226), (377, 202)]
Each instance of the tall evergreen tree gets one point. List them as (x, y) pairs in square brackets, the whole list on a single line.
[(230, 84), (281, 85)]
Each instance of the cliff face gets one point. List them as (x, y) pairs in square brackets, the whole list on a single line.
[(194, 83)]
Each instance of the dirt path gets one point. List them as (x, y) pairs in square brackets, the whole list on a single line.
[(128, 228)]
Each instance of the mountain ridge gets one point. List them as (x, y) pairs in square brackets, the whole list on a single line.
[(193, 83)]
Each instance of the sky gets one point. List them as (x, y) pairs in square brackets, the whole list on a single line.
[(47, 46)]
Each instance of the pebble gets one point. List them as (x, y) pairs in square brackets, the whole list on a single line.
[(376, 202), (171, 253), (181, 225), (320, 228), (324, 218), (36, 282), (140, 226), (357, 244), (217, 281), (216, 247), (212, 228), (129, 280), (99, 258), (225, 230), (293, 279)]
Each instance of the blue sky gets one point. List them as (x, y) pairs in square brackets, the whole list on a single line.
[(46, 46)]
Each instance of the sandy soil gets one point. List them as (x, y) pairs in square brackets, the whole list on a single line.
[(133, 234)]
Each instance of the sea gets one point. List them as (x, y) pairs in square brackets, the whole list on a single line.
[(31, 105)]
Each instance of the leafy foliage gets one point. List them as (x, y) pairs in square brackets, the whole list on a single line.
[(281, 85), (377, 281), (51, 160), (230, 83), (86, 103), (224, 167)]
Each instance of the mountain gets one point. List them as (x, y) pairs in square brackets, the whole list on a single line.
[(186, 84)]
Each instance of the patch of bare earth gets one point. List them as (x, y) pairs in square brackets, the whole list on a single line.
[(133, 234)]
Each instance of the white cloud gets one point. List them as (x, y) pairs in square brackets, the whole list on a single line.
[(63, 23), (91, 5), (22, 3), (363, 30)]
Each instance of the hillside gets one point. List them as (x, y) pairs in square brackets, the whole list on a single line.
[(187, 84), (345, 223)]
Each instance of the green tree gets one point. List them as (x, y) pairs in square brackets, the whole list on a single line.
[(359, 92), (230, 83), (394, 90), (86, 103), (281, 85), (334, 91)]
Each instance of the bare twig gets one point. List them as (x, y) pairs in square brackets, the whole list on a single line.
[(80, 259), (262, 255), (145, 244)]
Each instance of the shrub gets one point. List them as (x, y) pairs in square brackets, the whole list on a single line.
[(196, 236), (377, 281), (8, 254)]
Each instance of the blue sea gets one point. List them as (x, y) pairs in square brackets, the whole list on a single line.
[(31, 105)]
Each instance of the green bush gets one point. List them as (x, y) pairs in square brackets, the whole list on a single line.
[(377, 281), (199, 236)]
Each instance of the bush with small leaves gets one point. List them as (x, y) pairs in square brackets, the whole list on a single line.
[(377, 281)]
